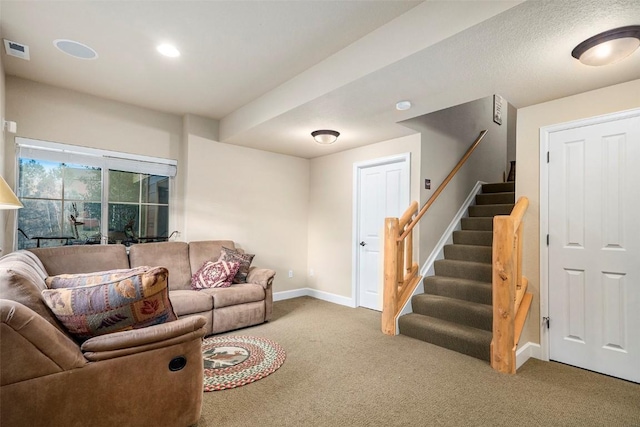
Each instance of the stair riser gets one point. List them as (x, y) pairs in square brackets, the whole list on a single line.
[(467, 237), (477, 223), (490, 210), (434, 285), (473, 253), (476, 271), (478, 348), (501, 187), (495, 198), (476, 316)]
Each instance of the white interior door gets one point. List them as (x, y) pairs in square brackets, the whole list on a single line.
[(594, 247), (383, 191)]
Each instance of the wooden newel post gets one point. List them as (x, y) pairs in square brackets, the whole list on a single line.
[(390, 292), (504, 274)]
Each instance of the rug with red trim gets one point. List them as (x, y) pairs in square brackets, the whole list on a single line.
[(234, 360)]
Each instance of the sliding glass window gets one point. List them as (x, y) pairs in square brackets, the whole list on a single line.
[(74, 195)]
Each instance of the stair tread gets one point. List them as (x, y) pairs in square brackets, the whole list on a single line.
[(455, 301), (460, 338), (462, 289)]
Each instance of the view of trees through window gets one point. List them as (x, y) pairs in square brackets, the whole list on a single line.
[(63, 204)]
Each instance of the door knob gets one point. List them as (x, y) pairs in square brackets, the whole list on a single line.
[(363, 244)]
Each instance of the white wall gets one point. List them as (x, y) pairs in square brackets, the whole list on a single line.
[(331, 210), (255, 198), (3, 217), (611, 99)]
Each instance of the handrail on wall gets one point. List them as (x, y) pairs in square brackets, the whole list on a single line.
[(400, 271)]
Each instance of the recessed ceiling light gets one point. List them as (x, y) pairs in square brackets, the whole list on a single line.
[(75, 49), (608, 47), (168, 50), (325, 137), (403, 105)]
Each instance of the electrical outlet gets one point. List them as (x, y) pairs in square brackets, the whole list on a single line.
[(290, 274)]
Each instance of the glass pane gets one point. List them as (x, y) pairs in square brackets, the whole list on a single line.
[(123, 223), (40, 179), (154, 221), (155, 189), (40, 218), (82, 183), (82, 221), (124, 186)]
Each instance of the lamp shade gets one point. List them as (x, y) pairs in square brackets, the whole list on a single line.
[(8, 199)]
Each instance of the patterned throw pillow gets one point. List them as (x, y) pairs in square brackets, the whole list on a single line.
[(244, 260), (214, 275), (74, 280), (131, 301)]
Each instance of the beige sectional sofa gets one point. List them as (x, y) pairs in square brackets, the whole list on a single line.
[(224, 309), (149, 376)]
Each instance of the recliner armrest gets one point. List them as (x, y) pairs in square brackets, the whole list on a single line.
[(261, 276), (123, 343)]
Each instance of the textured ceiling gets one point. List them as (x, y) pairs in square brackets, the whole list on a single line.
[(272, 72)]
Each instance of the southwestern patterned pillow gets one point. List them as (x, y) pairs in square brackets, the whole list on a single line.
[(244, 260), (138, 300), (74, 280), (214, 275)]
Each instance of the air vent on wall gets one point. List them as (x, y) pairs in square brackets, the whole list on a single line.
[(16, 49)]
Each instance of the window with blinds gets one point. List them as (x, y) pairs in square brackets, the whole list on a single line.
[(78, 195)]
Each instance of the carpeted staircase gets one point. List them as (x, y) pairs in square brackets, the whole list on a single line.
[(455, 309)]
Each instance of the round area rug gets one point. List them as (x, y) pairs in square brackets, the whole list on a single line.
[(234, 360)]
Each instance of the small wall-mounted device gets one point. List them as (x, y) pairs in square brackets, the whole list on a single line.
[(427, 184), (11, 127), (16, 49)]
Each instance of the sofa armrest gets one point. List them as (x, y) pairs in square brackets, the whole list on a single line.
[(31, 346), (123, 343), (261, 276)]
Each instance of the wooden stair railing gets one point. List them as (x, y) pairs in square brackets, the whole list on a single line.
[(511, 301), (400, 271)]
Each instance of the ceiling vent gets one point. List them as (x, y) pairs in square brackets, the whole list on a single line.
[(16, 49)]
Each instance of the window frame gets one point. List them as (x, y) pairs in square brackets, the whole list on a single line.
[(106, 160)]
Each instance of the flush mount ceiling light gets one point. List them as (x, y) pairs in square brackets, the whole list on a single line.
[(168, 50), (403, 105), (608, 47), (325, 137), (75, 49)]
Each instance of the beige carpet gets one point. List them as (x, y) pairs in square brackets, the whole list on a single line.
[(342, 371)]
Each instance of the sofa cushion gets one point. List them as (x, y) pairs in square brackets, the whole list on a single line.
[(173, 255), (136, 301), (218, 274), (242, 258), (22, 280), (235, 294), (74, 280), (208, 250), (190, 302), (82, 258)]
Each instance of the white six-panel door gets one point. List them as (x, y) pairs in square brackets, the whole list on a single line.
[(594, 247), (383, 192)]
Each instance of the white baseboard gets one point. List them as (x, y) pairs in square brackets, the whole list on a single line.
[(527, 351), (325, 296)]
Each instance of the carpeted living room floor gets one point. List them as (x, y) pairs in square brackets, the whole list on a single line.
[(342, 371)]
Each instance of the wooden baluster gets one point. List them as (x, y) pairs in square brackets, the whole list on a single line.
[(519, 255), (408, 261), (390, 292)]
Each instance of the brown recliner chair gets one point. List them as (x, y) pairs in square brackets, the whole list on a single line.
[(143, 377)]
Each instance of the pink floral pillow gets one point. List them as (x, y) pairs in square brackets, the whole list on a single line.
[(218, 274)]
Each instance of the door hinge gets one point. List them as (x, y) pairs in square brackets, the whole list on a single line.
[(547, 157), (546, 321), (547, 240)]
